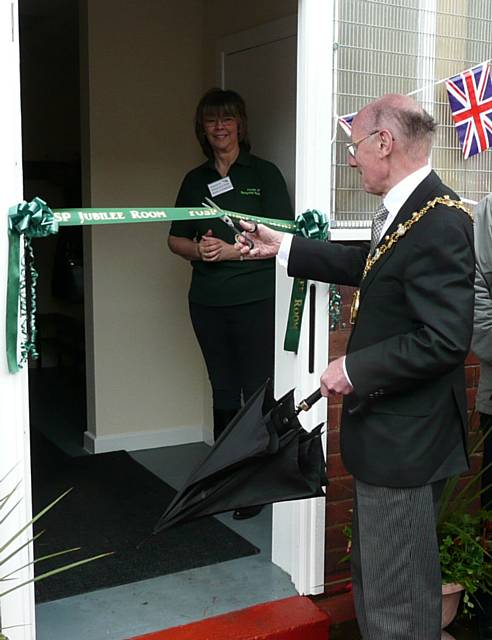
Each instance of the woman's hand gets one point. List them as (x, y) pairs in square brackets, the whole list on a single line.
[(213, 249)]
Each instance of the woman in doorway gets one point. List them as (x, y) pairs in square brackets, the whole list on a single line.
[(231, 301)]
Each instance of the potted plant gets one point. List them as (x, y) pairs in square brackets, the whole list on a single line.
[(465, 544), (9, 548)]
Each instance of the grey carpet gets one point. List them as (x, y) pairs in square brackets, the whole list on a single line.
[(114, 506)]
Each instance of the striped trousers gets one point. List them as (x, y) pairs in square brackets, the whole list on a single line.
[(396, 575)]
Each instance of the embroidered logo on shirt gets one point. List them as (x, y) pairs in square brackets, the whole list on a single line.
[(250, 191)]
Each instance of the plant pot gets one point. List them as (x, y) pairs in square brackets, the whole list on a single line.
[(451, 595)]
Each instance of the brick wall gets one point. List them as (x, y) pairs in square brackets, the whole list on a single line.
[(339, 493)]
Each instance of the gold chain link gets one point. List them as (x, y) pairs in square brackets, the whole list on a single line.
[(397, 235), (403, 228)]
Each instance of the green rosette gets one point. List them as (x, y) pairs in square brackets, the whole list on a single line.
[(26, 221), (314, 225)]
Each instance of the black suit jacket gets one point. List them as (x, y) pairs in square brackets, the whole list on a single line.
[(406, 353)]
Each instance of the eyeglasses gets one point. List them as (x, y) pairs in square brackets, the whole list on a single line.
[(225, 121), (353, 146)]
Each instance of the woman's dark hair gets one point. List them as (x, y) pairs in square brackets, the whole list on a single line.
[(217, 103)]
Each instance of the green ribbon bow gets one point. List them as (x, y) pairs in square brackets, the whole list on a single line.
[(314, 225), (28, 220)]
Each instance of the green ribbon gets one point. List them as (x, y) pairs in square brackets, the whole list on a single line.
[(26, 221), (84, 217), (314, 225), (37, 220)]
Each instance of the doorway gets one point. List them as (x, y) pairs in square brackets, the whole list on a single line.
[(50, 177)]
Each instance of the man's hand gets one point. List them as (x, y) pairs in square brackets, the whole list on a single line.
[(333, 380), (266, 241)]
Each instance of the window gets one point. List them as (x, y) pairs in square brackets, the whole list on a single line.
[(399, 46)]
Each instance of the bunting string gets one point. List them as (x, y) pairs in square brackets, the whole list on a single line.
[(470, 100), (434, 84)]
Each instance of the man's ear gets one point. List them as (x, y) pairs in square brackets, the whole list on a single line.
[(385, 141)]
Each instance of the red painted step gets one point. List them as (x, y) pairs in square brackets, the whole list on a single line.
[(295, 618), (339, 607)]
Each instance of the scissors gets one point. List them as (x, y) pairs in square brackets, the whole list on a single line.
[(238, 230)]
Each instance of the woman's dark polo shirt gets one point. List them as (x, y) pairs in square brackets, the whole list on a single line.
[(259, 189)]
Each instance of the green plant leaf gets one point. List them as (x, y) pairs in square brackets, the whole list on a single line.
[(55, 571), (34, 519), (23, 546), (37, 560), (6, 546)]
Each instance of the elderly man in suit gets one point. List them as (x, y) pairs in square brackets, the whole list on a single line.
[(404, 418)]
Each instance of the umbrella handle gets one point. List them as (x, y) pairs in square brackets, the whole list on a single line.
[(307, 403)]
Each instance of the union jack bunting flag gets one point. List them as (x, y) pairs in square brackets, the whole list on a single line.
[(346, 123), (470, 98)]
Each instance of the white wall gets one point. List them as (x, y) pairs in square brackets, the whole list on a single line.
[(145, 66), (144, 63)]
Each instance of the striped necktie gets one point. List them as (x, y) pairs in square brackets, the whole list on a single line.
[(377, 225)]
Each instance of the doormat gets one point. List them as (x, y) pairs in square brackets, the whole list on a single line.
[(114, 506)]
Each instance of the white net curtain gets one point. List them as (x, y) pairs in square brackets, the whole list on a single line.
[(400, 46)]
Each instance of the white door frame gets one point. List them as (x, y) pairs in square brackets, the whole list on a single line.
[(18, 607), (298, 531), (299, 527)]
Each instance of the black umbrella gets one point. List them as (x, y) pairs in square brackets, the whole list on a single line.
[(263, 456)]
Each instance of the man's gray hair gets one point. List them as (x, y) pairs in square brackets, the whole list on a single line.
[(414, 124)]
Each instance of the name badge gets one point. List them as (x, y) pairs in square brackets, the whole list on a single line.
[(220, 186)]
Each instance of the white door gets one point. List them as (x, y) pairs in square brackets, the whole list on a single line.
[(17, 609), (260, 64), (273, 67)]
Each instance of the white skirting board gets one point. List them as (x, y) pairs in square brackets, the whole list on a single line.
[(134, 441)]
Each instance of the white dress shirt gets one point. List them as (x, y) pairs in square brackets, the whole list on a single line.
[(399, 194)]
